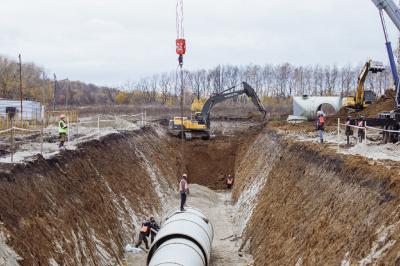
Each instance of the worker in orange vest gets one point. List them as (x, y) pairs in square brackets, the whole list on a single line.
[(144, 234), (320, 125), (229, 182), (183, 190)]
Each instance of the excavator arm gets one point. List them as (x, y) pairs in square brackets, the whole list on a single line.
[(204, 118), (372, 66)]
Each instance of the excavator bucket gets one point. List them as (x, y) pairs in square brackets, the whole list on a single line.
[(376, 67)]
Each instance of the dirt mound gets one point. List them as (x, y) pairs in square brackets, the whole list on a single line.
[(82, 207), (384, 104)]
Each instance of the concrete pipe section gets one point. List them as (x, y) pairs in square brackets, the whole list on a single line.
[(184, 239)]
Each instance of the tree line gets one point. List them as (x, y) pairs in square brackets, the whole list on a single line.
[(269, 81), (38, 85)]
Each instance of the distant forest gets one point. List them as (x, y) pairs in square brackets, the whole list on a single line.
[(268, 80)]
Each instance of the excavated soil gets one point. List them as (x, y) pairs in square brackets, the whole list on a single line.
[(310, 206), (386, 103), (208, 163), (294, 203), (82, 207)]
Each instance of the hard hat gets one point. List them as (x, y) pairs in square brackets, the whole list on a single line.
[(185, 175), (62, 116)]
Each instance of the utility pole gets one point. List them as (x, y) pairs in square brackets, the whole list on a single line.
[(66, 95), (54, 91), (20, 82)]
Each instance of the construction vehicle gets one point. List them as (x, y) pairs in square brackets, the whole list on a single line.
[(199, 126), (390, 121), (362, 97)]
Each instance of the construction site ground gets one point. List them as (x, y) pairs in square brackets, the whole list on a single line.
[(294, 202)]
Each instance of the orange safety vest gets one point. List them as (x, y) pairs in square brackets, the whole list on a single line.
[(321, 120), (144, 229)]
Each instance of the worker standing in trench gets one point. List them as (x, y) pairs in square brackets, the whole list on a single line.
[(229, 182), (62, 131), (321, 125), (183, 190), (154, 227)]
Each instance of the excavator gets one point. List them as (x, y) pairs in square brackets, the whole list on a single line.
[(362, 97), (199, 126)]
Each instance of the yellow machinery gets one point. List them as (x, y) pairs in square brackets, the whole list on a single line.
[(362, 97), (199, 126)]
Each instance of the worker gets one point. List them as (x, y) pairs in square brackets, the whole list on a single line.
[(62, 130), (361, 129), (229, 182), (183, 189), (320, 125), (144, 233), (154, 227), (349, 130)]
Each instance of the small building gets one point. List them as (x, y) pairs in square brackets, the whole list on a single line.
[(31, 110)]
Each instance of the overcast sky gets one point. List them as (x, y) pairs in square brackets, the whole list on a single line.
[(108, 42)]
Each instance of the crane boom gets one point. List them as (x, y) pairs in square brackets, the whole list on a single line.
[(391, 10)]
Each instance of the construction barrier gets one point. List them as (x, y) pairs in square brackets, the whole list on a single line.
[(13, 126), (366, 128), (13, 129)]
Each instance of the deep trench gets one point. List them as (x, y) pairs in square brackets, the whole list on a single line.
[(293, 203)]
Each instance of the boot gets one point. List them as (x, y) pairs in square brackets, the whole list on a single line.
[(322, 141)]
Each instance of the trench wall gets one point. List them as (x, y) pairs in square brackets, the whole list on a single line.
[(82, 207), (301, 204)]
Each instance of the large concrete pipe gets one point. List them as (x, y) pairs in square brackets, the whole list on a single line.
[(306, 107), (184, 239)]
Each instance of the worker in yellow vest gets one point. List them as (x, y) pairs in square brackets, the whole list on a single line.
[(144, 234), (62, 130)]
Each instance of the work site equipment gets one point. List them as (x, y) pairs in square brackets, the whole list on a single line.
[(199, 127), (362, 97), (185, 238), (389, 121)]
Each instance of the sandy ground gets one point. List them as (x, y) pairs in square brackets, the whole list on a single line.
[(218, 207)]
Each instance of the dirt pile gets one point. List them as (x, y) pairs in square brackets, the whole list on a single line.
[(309, 206), (81, 207), (384, 104)]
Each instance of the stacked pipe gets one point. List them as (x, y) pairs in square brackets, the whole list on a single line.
[(184, 239)]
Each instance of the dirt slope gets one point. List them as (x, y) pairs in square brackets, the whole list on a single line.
[(82, 206), (312, 207)]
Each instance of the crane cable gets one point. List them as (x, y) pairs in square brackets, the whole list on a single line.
[(180, 50)]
